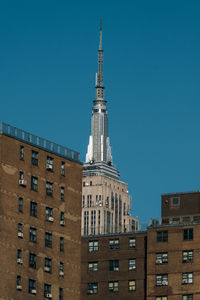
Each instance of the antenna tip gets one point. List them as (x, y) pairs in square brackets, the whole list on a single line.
[(101, 24)]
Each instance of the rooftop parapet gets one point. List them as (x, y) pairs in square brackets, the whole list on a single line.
[(39, 142)]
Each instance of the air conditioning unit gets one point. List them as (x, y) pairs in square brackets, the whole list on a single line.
[(22, 182), (49, 167), (47, 269), (50, 219), (184, 280), (159, 261), (19, 260), (61, 273), (62, 222), (116, 269), (48, 295), (20, 234), (33, 292), (164, 282), (19, 287)]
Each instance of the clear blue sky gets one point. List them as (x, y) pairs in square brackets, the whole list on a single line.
[(48, 60)]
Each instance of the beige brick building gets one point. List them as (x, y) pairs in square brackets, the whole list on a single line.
[(40, 218)]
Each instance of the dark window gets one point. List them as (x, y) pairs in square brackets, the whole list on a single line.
[(62, 193), (19, 286), (49, 214), (61, 269), (187, 256), (61, 244), (34, 158), (60, 293), (19, 256), (92, 266), (187, 278), (93, 246), (132, 264), (33, 209), (21, 153), (162, 258), (93, 288), (114, 244), (48, 240), (161, 279), (90, 183), (19, 229), (62, 168), (114, 265), (113, 286), (20, 204), (49, 163), (188, 234), (33, 234), (187, 297), (47, 291), (31, 286), (175, 201), (47, 265), (34, 183), (62, 218), (132, 243), (131, 285), (162, 236), (32, 260), (83, 183), (49, 188)]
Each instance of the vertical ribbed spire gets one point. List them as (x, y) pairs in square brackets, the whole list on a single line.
[(99, 75)]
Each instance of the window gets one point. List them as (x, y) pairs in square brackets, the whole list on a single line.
[(32, 260), (188, 234), (62, 170), (92, 266), (21, 175), (187, 278), (19, 229), (47, 265), (187, 297), (83, 202), (20, 204), (31, 286), (175, 201), (48, 240), (34, 158), (19, 287), (114, 265), (83, 183), (61, 244), (161, 279), (22, 181), (62, 193), (132, 243), (47, 290), (161, 298), (33, 209), (34, 183), (62, 218), (60, 293), (132, 264), (19, 256), (187, 256), (93, 288), (21, 153), (49, 214), (162, 258), (49, 188), (93, 246), (131, 285), (114, 244), (162, 236), (113, 286), (49, 163), (61, 269), (33, 234), (90, 183)]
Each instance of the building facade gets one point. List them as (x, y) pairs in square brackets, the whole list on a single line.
[(40, 218), (106, 203)]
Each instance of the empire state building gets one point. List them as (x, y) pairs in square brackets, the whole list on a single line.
[(105, 202)]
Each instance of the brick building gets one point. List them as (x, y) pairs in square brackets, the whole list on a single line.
[(40, 218)]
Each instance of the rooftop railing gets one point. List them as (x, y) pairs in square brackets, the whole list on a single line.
[(39, 142)]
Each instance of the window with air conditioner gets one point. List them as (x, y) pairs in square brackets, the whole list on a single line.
[(62, 218), (62, 170), (92, 288), (19, 229), (92, 266), (187, 256), (132, 264), (22, 181), (114, 265), (19, 285), (47, 291), (132, 243), (49, 214), (47, 265), (93, 246), (161, 258), (32, 286), (187, 278), (49, 163), (62, 193), (19, 256), (61, 269)]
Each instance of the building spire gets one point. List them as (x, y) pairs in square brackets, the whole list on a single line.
[(99, 76)]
